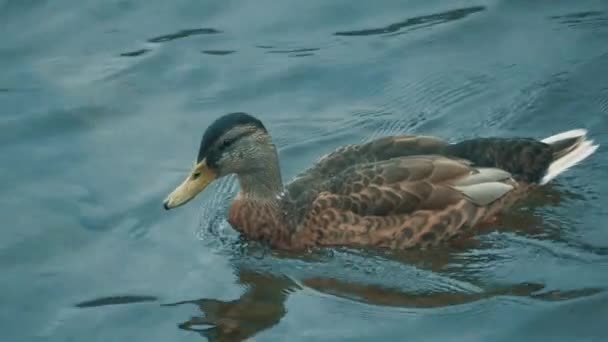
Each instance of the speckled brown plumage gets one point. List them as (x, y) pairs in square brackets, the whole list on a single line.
[(394, 192)]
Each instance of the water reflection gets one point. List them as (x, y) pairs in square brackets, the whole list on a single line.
[(259, 308), (263, 304), (416, 22)]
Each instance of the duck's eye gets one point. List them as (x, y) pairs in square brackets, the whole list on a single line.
[(195, 175), (227, 143)]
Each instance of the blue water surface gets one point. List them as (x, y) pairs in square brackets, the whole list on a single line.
[(103, 103)]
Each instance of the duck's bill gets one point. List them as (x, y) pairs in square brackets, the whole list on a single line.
[(196, 182)]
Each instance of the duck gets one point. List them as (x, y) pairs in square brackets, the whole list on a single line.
[(393, 192)]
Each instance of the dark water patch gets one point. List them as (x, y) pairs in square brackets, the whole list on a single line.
[(426, 20), (588, 19), (17, 89), (218, 52), (264, 46), (302, 54), (301, 50), (596, 23), (134, 53), (578, 15), (115, 300), (183, 34)]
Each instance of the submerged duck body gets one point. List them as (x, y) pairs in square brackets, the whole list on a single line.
[(395, 192)]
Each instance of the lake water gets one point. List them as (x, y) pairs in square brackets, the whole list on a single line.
[(103, 104)]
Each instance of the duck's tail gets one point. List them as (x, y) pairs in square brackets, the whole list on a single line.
[(569, 149), (529, 160)]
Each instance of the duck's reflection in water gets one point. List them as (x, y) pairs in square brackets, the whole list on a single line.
[(262, 305), (259, 308)]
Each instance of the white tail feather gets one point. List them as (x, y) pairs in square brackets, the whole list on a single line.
[(575, 133), (584, 149)]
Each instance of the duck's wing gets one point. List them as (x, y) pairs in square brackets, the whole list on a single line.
[(404, 201), (409, 184), (381, 149)]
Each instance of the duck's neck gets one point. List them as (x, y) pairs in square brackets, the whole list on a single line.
[(262, 183), (257, 210)]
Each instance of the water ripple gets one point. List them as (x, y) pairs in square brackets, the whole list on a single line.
[(183, 34), (583, 20), (134, 53), (425, 20), (90, 129), (218, 52)]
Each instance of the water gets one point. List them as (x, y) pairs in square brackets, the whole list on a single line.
[(103, 104)]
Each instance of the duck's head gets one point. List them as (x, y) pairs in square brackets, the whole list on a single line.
[(236, 143)]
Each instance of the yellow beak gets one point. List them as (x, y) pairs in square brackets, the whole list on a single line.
[(197, 181)]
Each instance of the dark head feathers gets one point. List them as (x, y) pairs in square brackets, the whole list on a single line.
[(222, 125)]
